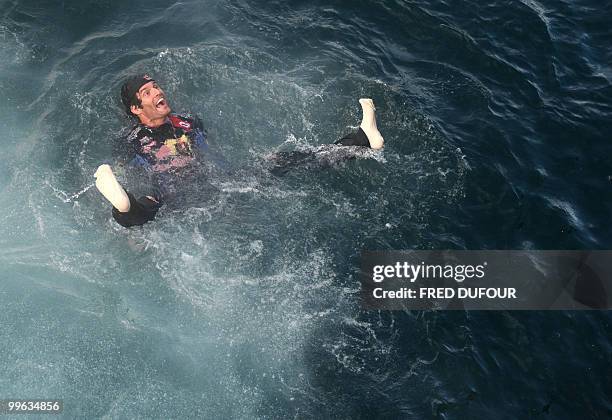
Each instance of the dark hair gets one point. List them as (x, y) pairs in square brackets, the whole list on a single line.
[(130, 88), (134, 101)]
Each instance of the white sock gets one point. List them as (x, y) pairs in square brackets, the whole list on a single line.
[(368, 124), (111, 189)]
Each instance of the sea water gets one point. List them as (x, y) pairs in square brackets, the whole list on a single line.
[(243, 301)]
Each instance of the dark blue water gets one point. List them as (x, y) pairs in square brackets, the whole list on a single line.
[(243, 302)]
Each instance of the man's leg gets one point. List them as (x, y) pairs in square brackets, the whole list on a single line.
[(127, 211), (279, 163), (110, 188), (368, 134)]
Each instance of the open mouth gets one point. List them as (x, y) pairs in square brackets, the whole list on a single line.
[(161, 102)]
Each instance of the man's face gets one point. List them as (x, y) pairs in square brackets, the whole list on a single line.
[(154, 103)]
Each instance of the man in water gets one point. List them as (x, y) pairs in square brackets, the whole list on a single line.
[(164, 142)]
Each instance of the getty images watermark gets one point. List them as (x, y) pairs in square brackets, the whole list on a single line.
[(487, 280)]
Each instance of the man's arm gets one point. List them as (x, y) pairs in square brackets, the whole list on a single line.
[(200, 137)]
